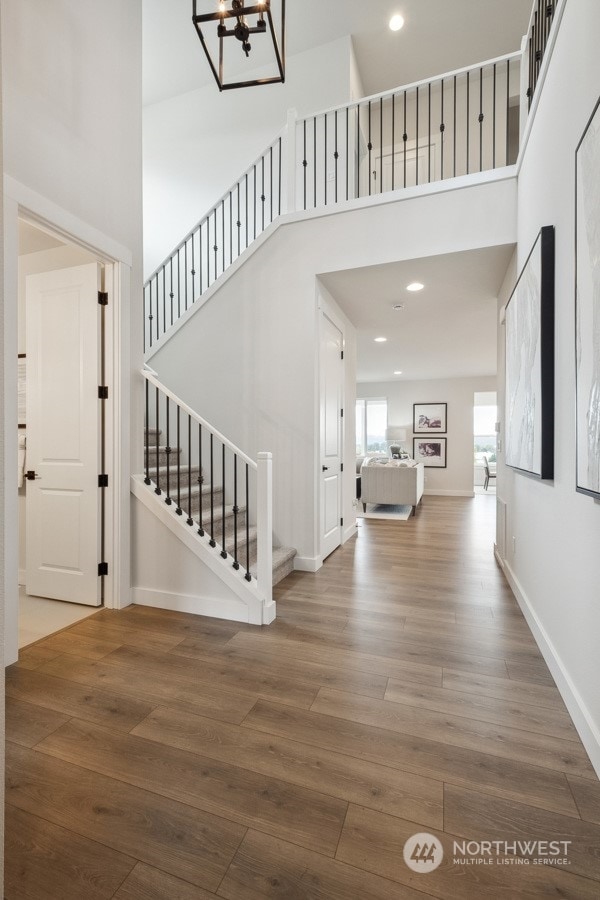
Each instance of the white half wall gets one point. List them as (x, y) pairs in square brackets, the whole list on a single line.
[(457, 478), (553, 533), (197, 144), (245, 358)]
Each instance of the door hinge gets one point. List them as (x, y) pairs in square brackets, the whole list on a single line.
[(102, 298), (341, 413), (342, 354), (341, 467), (102, 392), (102, 480), (341, 521), (103, 568)]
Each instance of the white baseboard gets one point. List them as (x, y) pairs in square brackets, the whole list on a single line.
[(584, 723), (235, 611), (349, 531), (435, 493), (307, 563)]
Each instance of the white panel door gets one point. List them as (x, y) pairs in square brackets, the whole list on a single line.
[(332, 394), (63, 527)]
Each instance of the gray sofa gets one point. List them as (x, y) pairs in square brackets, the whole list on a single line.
[(392, 482)]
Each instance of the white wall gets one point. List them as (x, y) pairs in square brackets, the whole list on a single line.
[(245, 359), (196, 145), (72, 150), (457, 478), (556, 565)]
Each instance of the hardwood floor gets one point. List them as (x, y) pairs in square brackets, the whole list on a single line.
[(155, 755)]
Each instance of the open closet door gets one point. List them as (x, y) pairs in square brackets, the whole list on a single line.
[(63, 518)]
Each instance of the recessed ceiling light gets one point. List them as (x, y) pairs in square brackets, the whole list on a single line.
[(398, 306), (396, 22), (415, 286), (397, 373), (380, 340)]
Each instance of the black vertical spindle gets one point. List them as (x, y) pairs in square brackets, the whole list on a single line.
[(468, 104), (370, 148), (200, 484), (208, 251), (271, 182), (157, 489), (223, 232), (262, 193), (150, 316), (247, 214), (178, 286), (417, 138), (179, 510), (236, 564), (507, 104), (200, 258), (347, 153), (247, 576), (230, 227), (480, 119), (442, 130), (168, 500), (393, 141), (336, 155), (454, 129), (223, 520), (239, 221), (325, 161), (429, 132), (494, 120), (193, 272), (358, 150), (305, 164), (315, 160), (404, 138), (212, 541), (254, 201), (147, 479), (381, 145), (279, 163), (190, 520), (164, 305)]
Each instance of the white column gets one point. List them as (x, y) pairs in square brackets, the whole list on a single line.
[(264, 526)]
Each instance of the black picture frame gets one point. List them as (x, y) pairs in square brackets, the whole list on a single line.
[(587, 311), (529, 348), (431, 413), (429, 457)]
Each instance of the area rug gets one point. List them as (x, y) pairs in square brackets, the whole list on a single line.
[(384, 511)]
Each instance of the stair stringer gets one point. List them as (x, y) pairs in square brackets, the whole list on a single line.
[(244, 604)]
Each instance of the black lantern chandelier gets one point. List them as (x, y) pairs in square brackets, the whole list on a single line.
[(241, 20)]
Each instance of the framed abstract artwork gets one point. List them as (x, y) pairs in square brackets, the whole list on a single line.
[(529, 321), (431, 451), (587, 306), (428, 417)]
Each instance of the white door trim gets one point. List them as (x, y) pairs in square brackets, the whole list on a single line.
[(20, 201)]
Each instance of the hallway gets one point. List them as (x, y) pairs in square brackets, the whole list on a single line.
[(155, 755)]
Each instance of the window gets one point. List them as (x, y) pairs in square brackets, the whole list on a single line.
[(484, 429), (371, 424)]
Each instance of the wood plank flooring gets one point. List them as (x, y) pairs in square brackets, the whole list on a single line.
[(157, 755)]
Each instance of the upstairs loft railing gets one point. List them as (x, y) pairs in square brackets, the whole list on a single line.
[(460, 123), (538, 35), (216, 489)]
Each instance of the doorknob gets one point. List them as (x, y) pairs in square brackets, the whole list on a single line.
[(30, 475), (325, 468)]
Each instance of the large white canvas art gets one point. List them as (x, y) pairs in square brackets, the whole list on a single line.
[(529, 415), (588, 308)]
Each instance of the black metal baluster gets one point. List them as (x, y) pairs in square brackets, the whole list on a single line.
[(507, 104), (468, 99), (190, 520), (254, 199), (200, 256), (393, 141), (223, 522), (404, 138), (381, 145), (279, 164), (262, 193), (164, 305), (454, 130), (145, 315), (200, 484), (157, 316), (164, 287), (429, 132), (480, 119), (208, 251), (247, 576), (215, 246), (171, 292), (246, 203), (494, 120), (442, 130), (147, 479), (179, 510), (236, 510), (305, 164), (358, 150), (212, 541), (150, 316), (239, 221), (370, 148), (168, 500), (325, 166), (193, 272), (347, 153), (417, 138), (315, 160), (157, 489), (271, 182), (230, 227), (178, 286), (223, 233), (531, 64), (185, 275)]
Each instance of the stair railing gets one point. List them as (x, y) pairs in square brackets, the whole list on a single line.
[(463, 122), (212, 484)]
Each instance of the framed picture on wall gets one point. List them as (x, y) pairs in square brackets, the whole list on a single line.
[(529, 336), (431, 451), (587, 306), (430, 417)]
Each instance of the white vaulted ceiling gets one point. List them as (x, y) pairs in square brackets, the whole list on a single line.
[(438, 36)]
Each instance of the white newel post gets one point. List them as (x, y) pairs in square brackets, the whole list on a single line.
[(264, 526), (290, 161)]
